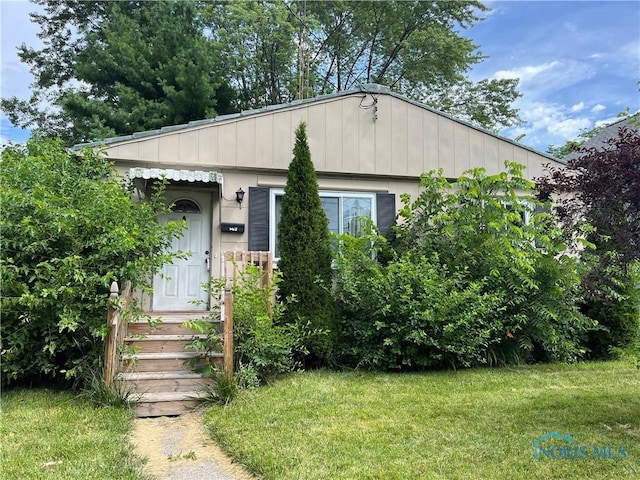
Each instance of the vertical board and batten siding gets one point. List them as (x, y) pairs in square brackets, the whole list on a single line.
[(404, 141)]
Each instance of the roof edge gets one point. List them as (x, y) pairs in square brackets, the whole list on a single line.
[(367, 88)]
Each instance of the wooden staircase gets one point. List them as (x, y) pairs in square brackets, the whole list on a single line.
[(154, 365)]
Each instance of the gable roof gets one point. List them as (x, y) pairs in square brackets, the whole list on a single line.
[(600, 139), (370, 88)]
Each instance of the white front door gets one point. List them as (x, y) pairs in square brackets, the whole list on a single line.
[(178, 287)]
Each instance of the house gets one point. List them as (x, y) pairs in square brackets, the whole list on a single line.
[(227, 174), (600, 139)]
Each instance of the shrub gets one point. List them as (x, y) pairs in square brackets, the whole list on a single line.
[(598, 200), (478, 276), (263, 345), (617, 313), (69, 228), (411, 313), (305, 251)]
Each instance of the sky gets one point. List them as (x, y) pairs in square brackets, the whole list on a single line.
[(578, 62)]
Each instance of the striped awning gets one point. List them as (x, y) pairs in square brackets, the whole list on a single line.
[(178, 175)]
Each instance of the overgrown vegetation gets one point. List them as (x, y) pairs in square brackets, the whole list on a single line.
[(69, 228), (264, 346), (477, 274), (305, 253), (598, 199)]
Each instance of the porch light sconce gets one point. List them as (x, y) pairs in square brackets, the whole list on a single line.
[(240, 196)]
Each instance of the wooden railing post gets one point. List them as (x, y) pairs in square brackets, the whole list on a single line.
[(110, 341), (228, 333)]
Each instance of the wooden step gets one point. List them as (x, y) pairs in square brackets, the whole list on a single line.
[(167, 403), (161, 343), (158, 370), (162, 362), (168, 326), (155, 382)]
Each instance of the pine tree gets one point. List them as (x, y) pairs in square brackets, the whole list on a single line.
[(305, 249)]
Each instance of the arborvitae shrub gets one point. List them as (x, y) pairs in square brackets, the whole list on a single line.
[(305, 251)]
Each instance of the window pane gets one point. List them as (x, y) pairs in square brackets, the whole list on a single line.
[(331, 206), (185, 205), (353, 208)]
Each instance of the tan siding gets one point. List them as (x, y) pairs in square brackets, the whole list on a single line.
[(316, 132), (333, 130), (476, 149), (399, 137), (168, 149), (246, 132), (461, 145), (430, 141), (383, 137), (415, 148), (505, 152), (404, 140), (367, 149), (227, 144), (297, 116), (208, 146), (349, 137), (446, 150), (491, 161), (148, 150), (128, 150), (282, 139), (535, 166), (188, 148), (520, 156), (264, 141)]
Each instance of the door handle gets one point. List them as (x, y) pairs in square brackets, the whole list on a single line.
[(206, 260)]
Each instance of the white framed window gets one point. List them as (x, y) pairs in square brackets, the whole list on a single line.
[(344, 211)]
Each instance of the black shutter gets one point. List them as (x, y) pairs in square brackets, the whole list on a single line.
[(259, 219), (386, 210)]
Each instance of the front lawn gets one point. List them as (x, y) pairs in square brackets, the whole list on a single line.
[(57, 436), (471, 424)]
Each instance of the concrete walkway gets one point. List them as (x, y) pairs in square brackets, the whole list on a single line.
[(179, 448)]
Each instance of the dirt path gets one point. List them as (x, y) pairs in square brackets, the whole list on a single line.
[(179, 448)]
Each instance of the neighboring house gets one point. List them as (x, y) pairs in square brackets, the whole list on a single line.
[(368, 146), (600, 139)]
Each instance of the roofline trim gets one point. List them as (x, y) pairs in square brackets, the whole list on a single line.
[(369, 88)]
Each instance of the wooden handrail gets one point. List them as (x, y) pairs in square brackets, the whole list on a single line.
[(235, 262), (228, 334), (116, 328)]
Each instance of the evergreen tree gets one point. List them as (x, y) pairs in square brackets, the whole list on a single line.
[(128, 67), (305, 250)]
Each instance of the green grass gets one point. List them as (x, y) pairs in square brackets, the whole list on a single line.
[(55, 435), (472, 424)]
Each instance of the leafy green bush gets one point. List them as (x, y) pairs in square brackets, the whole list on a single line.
[(263, 345), (410, 313), (69, 228), (617, 313), (478, 276)]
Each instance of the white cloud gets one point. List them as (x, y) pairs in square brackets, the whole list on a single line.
[(598, 108), (569, 127), (577, 107), (607, 121), (548, 123), (525, 74)]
